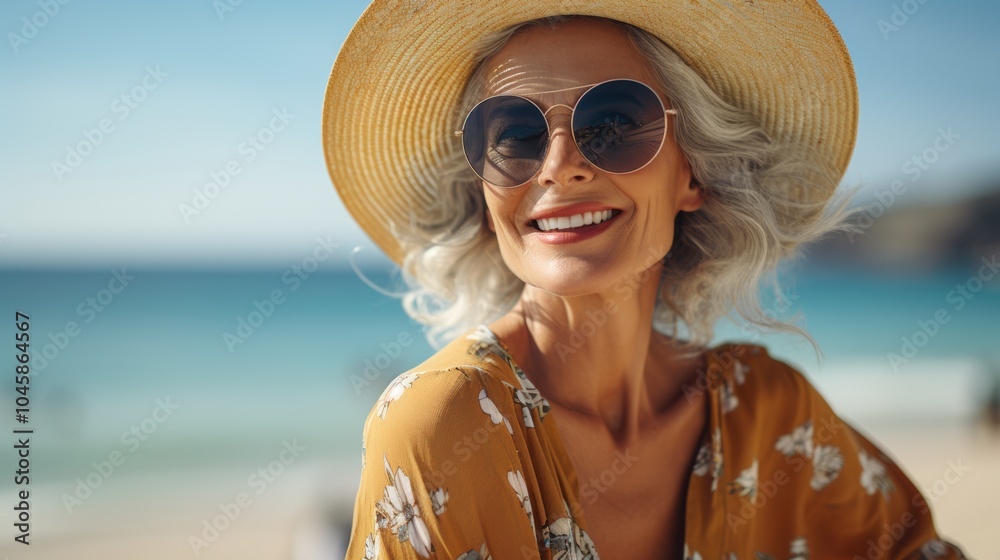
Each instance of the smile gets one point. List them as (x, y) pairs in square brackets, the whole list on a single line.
[(574, 221)]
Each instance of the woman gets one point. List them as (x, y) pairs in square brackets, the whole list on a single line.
[(599, 206)]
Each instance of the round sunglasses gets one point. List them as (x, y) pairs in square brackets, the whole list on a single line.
[(618, 125)]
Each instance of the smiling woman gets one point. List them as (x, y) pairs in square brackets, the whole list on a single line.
[(620, 179)]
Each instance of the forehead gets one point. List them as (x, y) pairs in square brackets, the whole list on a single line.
[(574, 53)]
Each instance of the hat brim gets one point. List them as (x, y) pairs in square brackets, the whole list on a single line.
[(388, 113)]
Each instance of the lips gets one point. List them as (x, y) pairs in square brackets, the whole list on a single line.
[(573, 216), (575, 234), (574, 221)]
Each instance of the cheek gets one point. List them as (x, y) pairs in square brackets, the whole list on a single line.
[(489, 220), (656, 213), (500, 210), (492, 208)]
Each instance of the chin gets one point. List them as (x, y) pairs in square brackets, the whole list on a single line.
[(572, 279)]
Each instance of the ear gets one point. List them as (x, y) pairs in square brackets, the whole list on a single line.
[(691, 196)]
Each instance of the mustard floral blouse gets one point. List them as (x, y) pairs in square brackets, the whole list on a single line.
[(460, 461)]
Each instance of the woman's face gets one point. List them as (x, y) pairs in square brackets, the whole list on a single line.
[(643, 203)]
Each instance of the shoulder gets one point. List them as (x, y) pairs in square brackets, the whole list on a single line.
[(752, 366), (754, 384), (778, 430), (445, 382), (459, 390)]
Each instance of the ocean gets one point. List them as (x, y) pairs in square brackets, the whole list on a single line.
[(247, 359)]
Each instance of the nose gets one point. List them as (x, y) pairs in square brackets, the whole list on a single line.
[(564, 165)]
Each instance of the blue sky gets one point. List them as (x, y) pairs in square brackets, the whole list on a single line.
[(205, 84)]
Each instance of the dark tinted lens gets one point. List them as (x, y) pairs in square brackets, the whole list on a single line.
[(619, 125), (504, 139)]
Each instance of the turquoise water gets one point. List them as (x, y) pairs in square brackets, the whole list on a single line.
[(162, 337)]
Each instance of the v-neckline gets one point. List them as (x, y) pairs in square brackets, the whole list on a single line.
[(712, 424)]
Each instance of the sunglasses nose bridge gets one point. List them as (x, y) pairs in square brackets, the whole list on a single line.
[(559, 119), (567, 107), (563, 162)]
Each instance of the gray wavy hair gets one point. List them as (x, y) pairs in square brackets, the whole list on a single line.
[(757, 211)]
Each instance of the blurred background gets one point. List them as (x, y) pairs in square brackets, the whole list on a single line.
[(167, 223)]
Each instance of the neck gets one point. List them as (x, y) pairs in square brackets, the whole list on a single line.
[(596, 358)]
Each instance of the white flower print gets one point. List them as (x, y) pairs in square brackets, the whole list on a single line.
[(746, 483), (521, 397), (874, 476), (484, 342), (491, 410), (394, 391), (934, 548), (690, 556), (486, 347), (703, 461), (800, 441), (482, 554), (516, 480), (398, 511), (528, 422), (439, 498), (716, 457), (827, 462), (729, 400), (568, 541), (373, 545), (528, 395), (798, 549), (740, 371)]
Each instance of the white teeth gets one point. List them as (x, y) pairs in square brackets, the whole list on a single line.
[(574, 221)]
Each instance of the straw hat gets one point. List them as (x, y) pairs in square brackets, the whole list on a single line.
[(389, 114)]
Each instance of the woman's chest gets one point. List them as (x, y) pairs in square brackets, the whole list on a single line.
[(637, 525), (634, 500)]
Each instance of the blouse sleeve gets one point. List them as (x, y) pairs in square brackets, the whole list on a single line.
[(441, 474), (862, 503)]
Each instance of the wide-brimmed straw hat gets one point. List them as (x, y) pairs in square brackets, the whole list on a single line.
[(389, 113)]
